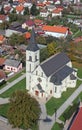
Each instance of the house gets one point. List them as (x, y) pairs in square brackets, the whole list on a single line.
[(51, 8), (55, 31), (77, 121), (38, 22), (27, 35), (44, 13), (3, 18), (28, 24), (51, 77), (2, 76), (57, 12), (2, 39), (2, 60), (20, 9), (15, 28), (12, 65)]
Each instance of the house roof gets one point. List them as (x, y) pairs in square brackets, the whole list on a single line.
[(2, 60), (27, 35), (56, 11), (30, 22), (38, 21), (11, 62), (2, 17), (19, 8), (54, 63), (61, 74), (77, 124), (2, 74), (58, 29), (32, 46), (1, 37)]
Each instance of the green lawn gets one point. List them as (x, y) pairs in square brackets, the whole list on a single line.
[(19, 86), (4, 109), (16, 76), (56, 103), (56, 127)]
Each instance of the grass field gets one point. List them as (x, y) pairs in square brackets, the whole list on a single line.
[(19, 86)]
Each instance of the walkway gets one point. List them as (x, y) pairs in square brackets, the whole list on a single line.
[(12, 83), (48, 125)]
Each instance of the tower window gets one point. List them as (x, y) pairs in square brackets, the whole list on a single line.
[(55, 89), (36, 72), (30, 58), (30, 67), (35, 58)]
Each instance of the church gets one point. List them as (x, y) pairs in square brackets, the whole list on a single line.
[(51, 77)]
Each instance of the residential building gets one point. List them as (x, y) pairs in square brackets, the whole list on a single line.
[(12, 65), (55, 31)]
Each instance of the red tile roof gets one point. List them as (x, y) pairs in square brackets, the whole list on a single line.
[(2, 60), (38, 21), (2, 17), (2, 74), (77, 124), (58, 29), (19, 8), (56, 11), (1, 37), (27, 35)]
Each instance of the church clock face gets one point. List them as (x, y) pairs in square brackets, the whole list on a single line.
[(39, 79)]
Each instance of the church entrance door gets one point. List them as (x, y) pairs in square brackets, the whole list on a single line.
[(37, 93)]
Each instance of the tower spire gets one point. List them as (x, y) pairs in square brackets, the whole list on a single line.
[(32, 46)]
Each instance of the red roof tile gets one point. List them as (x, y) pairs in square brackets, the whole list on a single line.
[(2, 60), (27, 35), (19, 8), (58, 29), (77, 124)]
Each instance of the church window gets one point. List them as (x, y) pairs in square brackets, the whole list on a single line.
[(36, 58), (36, 72), (30, 58), (55, 89), (42, 74), (30, 67), (50, 91)]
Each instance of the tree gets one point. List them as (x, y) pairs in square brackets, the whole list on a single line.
[(41, 40), (12, 17), (50, 48), (2, 11), (24, 110), (43, 54), (26, 11), (16, 39), (34, 11)]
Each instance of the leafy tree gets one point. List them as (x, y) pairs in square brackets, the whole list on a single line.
[(50, 48), (34, 11), (4, 25), (10, 1), (43, 54), (16, 39), (26, 11), (41, 40), (12, 17), (24, 110), (2, 11)]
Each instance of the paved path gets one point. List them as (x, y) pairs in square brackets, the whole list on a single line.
[(48, 125), (12, 83)]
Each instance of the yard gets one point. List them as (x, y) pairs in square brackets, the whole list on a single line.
[(20, 85)]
